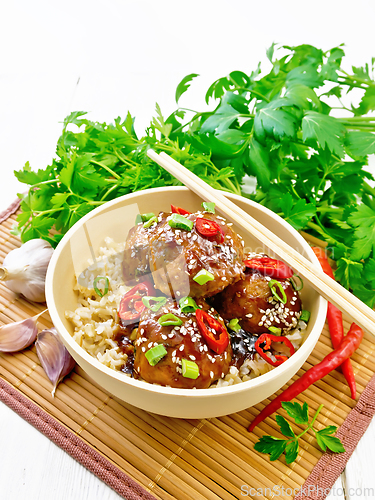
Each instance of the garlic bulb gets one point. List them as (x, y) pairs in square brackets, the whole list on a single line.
[(19, 335), (54, 357), (24, 269)]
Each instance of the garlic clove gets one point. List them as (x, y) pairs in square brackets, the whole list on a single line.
[(24, 269), (54, 357), (19, 335)]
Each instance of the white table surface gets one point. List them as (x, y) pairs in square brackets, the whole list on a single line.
[(106, 58)]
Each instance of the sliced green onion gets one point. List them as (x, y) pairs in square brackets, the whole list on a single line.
[(138, 219), (273, 284), (178, 221), (234, 325), (203, 276), (150, 222), (187, 305), (146, 217), (189, 369), (155, 354), (160, 302), (169, 319), (209, 206), (275, 330), (305, 316), (296, 287), (106, 285)]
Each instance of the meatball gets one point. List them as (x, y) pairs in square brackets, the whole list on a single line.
[(177, 255), (137, 248), (180, 342), (252, 302)]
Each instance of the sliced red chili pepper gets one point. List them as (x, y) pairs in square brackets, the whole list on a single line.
[(144, 288), (131, 305), (213, 332), (263, 348), (209, 228), (178, 210), (130, 308), (270, 267)]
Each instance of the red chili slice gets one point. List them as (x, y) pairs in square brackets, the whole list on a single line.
[(270, 267), (131, 305), (178, 210), (263, 348), (144, 288), (131, 308), (209, 228), (213, 332)]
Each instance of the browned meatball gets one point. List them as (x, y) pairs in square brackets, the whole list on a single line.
[(180, 342), (137, 248), (176, 256), (252, 302)]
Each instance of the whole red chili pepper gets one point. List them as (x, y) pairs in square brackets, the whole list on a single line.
[(213, 332), (271, 267), (335, 325), (347, 347), (178, 210), (263, 347), (209, 228)]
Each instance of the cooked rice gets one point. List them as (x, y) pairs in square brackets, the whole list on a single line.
[(95, 319)]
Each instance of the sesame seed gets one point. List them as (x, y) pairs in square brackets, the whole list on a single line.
[(192, 357), (212, 374), (143, 349), (171, 335)]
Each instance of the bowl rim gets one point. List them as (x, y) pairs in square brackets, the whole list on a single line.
[(146, 386)]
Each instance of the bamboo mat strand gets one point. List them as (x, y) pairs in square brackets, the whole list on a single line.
[(173, 458)]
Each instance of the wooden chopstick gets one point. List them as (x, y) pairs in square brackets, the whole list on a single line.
[(328, 288)]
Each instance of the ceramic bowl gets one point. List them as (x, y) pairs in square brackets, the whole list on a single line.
[(114, 219)]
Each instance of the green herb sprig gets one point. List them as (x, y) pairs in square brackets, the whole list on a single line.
[(275, 447)]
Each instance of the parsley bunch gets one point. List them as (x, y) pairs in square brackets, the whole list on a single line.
[(278, 127), (275, 447)]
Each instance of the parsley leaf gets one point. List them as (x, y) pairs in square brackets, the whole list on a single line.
[(269, 444), (299, 413), (324, 130), (184, 85)]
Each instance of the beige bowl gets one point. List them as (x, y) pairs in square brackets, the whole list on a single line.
[(110, 220)]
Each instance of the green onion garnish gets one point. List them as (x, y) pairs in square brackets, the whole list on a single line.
[(160, 302), (189, 369), (305, 316), (275, 330), (274, 284), (297, 287), (155, 354), (187, 305), (234, 325), (146, 217), (106, 285), (178, 221), (150, 222), (138, 219), (209, 206), (203, 276), (169, 319)]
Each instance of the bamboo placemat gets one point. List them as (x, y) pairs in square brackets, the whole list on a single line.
[(142, 455)]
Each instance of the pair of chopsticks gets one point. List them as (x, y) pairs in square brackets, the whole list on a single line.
[(326, 286)]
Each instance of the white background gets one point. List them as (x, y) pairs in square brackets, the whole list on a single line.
[(110, 57)]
